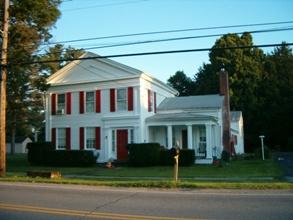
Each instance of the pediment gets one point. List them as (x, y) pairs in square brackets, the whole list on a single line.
[(92, 70)]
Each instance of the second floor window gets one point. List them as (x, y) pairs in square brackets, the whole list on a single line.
[(122, 99), (61, 102), (90, 101)]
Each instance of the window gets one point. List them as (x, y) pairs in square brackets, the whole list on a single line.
[(90, 101), (131, 136), (61, 138), (90, 138), (121, 99), (113, 140), (61, 103)]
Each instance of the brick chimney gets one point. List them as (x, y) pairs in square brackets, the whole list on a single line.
[(224, 91)]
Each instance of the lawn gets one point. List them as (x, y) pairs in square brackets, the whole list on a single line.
[(17, 165), (248, 173)]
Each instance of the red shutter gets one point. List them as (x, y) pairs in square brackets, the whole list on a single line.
[(68, 139), (149, 101), (53, 137), (98, 101), (130, 98), (155, 102), (81, 138), (53, 104), (112, 100), (98, 138), (81, 102), (68, 103)]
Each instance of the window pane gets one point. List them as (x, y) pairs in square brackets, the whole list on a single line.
[(61, 101), (61, 139), (121, 99), (90, 102), (90, 138)]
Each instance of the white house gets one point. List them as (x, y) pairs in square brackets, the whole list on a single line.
[(101, 105)]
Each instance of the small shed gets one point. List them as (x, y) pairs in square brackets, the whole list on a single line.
[(20, 144)]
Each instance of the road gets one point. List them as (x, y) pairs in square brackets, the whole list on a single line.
[(49, 201)]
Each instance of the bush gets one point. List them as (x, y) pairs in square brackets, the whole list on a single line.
[(186, 157), (144, 154), (225, 156), (258, 153), (38, 152), (289, 146), (44, 154), (72, 158)]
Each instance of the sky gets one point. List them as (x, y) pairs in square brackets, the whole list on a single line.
[(82, 19)]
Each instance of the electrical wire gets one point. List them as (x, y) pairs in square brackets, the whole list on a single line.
[(153, 53)]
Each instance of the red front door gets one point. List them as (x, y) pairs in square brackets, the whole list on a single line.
[(122, 140)]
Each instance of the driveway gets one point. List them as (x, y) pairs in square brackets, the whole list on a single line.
[(285, 160)]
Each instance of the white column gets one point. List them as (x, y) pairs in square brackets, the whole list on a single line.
[(170, 137), (208, 140), (189, 136), (147, 134)]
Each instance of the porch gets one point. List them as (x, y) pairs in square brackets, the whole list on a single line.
[(201, 135)]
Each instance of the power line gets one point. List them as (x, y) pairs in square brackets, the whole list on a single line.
[(169, 31), (183, 38), (153, 53), (178, 38)]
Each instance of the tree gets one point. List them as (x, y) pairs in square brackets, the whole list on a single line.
[(30, 23), (183, 84), (276, 92)]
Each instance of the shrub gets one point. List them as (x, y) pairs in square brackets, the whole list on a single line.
[(258, 153), (72, 158), (186, 157), (144, 154), (225, 156), (289, 146), (37, 152)]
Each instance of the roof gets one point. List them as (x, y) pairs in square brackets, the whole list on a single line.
[(18, 139), (235, 115), (184, 116), (191, 102)]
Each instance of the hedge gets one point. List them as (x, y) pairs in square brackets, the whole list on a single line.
[(144, 154), (38, 152), (186, 157), (44, 154)]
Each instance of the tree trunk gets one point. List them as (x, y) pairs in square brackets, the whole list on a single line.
[(13, 131)]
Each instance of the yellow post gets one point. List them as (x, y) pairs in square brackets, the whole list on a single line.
[(176, 159)]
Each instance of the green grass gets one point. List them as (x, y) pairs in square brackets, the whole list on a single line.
[(246, 170), (18, 165)]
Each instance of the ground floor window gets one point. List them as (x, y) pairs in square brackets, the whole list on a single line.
[(90, 137), (61, 138)]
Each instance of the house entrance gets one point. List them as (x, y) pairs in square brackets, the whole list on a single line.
[(122, 140), (184, 139)]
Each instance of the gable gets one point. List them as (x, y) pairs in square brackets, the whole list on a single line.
[(92, 70)]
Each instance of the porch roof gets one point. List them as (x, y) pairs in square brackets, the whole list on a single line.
[(184, 116), (191, 102)]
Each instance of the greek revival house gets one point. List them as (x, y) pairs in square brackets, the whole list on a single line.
[(101, 105)]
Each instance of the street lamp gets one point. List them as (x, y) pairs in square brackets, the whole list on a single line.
[(262, 147)]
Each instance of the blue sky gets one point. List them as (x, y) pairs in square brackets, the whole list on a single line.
[(97, 18)]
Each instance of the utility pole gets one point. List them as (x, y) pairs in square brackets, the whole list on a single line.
[(3, 78)]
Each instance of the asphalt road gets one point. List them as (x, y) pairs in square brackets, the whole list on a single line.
[(41, 201)]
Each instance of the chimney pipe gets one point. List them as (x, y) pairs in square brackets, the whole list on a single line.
[(224, 91)]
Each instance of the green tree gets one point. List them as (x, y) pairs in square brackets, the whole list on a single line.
[(276, 92), (182, 83), (245, 68), (30, 22)]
